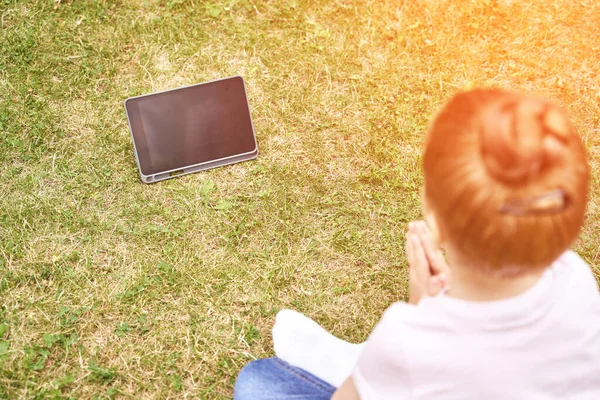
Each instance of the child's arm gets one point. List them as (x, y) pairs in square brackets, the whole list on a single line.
[(347, 391)]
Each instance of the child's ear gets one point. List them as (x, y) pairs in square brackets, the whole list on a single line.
[(432, 223)]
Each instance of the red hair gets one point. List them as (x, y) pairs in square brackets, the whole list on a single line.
[(507, 178)]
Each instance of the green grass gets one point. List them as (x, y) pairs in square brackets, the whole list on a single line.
[(111, 288)]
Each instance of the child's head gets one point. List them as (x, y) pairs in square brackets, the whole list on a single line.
[(506, 179)]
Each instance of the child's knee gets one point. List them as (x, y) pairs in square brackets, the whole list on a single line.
[(251, 381)]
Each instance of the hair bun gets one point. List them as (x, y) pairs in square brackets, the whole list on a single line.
[(521, 137)]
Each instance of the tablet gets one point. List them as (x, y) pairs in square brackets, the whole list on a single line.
[(190, 129)]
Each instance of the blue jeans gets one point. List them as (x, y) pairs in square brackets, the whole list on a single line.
[(275, 379)]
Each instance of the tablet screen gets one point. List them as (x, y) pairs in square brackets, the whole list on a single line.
[(192, 125)]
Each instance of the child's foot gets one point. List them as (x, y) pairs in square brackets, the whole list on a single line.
[(305, 344)]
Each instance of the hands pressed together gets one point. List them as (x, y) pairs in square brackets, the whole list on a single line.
[(429, 272)]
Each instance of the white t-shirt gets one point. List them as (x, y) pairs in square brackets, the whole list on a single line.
[(542, 344)]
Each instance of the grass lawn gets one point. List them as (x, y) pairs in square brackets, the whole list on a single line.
[(110, 288)]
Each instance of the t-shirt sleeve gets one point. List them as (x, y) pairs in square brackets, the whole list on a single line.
[(382, 370), (588, 280)]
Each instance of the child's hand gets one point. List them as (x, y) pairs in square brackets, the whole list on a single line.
[(428, 269)]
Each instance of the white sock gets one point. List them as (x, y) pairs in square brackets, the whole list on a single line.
[(303, 343)]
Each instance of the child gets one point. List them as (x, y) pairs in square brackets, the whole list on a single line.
[(514, 313)]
